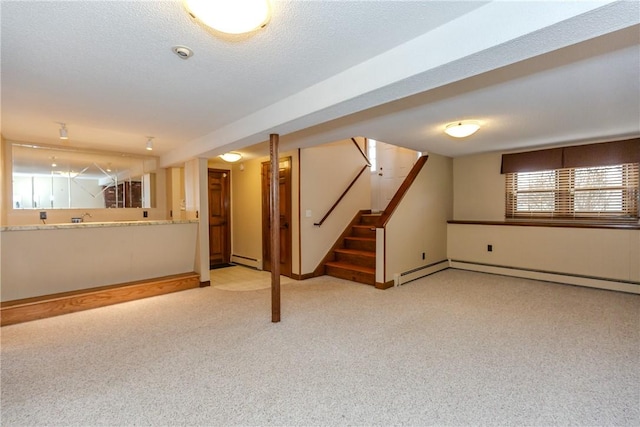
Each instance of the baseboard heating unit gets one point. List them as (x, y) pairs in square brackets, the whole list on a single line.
[(417, 273), (550, 276)]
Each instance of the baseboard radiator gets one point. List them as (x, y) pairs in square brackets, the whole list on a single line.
[(549, 276), (417, 273), (247, 261)]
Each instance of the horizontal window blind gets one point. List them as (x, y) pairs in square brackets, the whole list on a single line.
[(604, 192)]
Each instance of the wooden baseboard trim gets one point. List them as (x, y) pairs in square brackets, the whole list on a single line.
[(385, 285), (205, 284), (303, 276), (24, 310)]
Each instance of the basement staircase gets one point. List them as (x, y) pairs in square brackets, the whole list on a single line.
[(354, 256)]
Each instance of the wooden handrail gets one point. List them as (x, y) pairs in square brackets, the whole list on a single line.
[(344, 193), (406, 184), (361, 152)]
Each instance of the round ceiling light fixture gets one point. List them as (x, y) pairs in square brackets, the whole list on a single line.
[(230, 16), (231, 156), (462, 129)]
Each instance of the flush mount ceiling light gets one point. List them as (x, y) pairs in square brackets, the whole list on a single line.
[(462, 129), (231, 157), (63, 131), (149, 143), (230, 16)]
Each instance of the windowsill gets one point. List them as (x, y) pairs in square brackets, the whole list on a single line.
[(556, 223)]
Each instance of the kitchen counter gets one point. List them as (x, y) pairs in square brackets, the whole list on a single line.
[(89, 224)]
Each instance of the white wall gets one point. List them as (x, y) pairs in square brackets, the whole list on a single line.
[(608, 254), (419, 224), (197, 208)]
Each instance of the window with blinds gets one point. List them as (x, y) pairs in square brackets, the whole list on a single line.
[(602, 192)]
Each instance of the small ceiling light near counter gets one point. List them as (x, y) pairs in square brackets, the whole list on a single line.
[(150, 143), (231, 157), (462, 129), (63, 131), (230, 16)]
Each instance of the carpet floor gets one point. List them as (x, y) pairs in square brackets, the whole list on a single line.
[(454, 348)]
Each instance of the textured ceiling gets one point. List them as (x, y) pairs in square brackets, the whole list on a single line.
[(536, 73)]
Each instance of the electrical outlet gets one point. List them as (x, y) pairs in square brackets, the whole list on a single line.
[(145, 214), (43, 215), (489, 248)]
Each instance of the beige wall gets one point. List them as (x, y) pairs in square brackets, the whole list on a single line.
[(4, 187), (478, 188), (246, 211), (42, 262), (326, 171), (176, 203), (610, 254), (479, 195), (419, 224)]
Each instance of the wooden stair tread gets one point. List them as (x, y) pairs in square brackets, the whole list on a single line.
[(363, 239), (367, 226), (352, 267), (356, 252)]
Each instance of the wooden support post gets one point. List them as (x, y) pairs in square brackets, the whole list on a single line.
[(275, 227)]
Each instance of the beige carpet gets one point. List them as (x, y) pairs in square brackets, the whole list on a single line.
[(455, 348)]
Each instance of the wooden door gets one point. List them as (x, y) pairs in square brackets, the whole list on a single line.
[(219, 219), (285, 216)]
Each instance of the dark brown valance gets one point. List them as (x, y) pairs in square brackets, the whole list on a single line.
[(605, 154), (532, 161), (602, 154)]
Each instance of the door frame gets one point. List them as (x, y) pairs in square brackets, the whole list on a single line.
[(227, 208), (266, 238)]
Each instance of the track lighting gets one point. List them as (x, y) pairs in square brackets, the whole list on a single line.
[(63, 131)]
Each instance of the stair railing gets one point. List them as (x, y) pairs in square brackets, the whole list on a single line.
[(344, 193), (406, 184), (362, 152)]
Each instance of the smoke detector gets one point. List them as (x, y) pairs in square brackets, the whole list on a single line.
[(183, 52)]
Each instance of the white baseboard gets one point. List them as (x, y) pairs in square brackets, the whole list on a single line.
[(416, 273), (591, 282)]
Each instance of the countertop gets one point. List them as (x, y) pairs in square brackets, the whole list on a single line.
[(97, 224)]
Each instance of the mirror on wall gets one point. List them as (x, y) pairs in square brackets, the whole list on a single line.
[(60, 178)]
